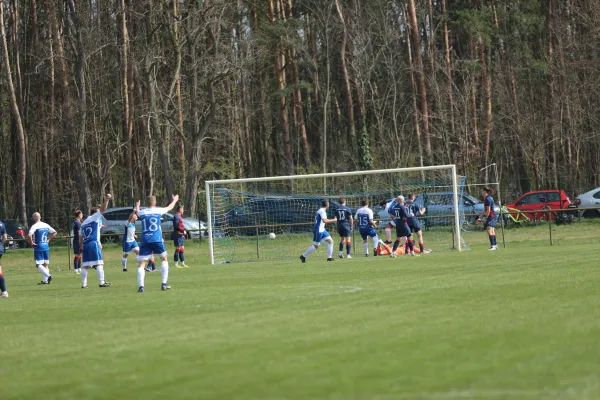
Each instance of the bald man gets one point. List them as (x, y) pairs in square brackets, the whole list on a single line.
[(40, 235)]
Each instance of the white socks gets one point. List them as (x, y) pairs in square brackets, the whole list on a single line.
[(329, 250), (84, 273), (366, 247), (375, 242), (100, 272), (164, 271), (309, 251), (124, 262), (45, 272), (388, 234), (141, 276)]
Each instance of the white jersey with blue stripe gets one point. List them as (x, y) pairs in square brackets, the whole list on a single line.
[(41, 231), (90, 229), (364, 215), (151, 229), (130, 232), (320, 220)]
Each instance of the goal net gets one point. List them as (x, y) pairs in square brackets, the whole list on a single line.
[(273, 217)]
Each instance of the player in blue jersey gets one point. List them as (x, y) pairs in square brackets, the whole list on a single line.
[(401, 214), (89, 240), (387, 219), (178, 236), (345, 223), (76, 248), (489, 216), (413, 222), (129, 240), (3, 239), (40, 235), (320, 235), (152, 240), (366, 227)]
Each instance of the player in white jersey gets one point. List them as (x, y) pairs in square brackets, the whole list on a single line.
[(152, 240), (129, 240), (367, 226), (40, 235), (320, 234), (90, 244), (386, 219)]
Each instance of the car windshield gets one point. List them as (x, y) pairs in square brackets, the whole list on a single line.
[(471, 198)]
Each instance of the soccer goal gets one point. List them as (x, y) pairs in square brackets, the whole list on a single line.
[(273, 217)]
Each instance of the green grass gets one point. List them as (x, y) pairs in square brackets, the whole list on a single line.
[(520, 323)]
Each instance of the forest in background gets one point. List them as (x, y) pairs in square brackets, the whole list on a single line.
[(138, 97)]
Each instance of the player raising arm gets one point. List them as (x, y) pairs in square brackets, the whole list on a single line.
[(367, 226), (152, 240), (345, 222), (40, 235), (386, 219), (3, 239), (91, 246), (401, 214), (489, 216), (413, 222), (320, 234)]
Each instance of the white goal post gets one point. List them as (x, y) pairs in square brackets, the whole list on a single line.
[(244, 214)]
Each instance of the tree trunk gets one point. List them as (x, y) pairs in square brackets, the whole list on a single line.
[(125, 92), (550, 146), (346, 75), (16, 112), (486, 85), (415, 107), (449, 80)]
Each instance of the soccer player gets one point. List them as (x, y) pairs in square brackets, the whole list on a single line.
[(367, 226), (151, 267), (320, 234), (76, 247), (384, 215), (345, 223), (129, 240), (152, 240), (401, 214), (40, 235), (3, 239), (489, 215), (178, 236), (91, 246), (413, 221)]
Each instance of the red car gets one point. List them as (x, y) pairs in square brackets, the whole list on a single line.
[(532, 202)]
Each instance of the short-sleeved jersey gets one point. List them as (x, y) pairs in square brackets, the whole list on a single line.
[(414, 211), (178, 226), (76, 228), (2, 233), (489, 202), (40, 232), (320, 220), (364, 215), (399, 212), (90, 228), (129, 236), (343, 214), (151, 229)]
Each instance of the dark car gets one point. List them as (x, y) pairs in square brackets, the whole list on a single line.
[(18, 232), (260, 216)]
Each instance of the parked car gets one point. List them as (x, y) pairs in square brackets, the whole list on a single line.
[(590, 199), (18, 232), (271, 214), (532, 202), (115, 220), (10, 243)]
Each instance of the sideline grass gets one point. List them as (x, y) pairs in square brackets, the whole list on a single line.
[(520, 323)]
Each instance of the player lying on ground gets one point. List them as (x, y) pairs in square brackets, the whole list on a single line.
[(320, 234), (40, 235), (367, 226), (3, 239), (413, 221), (152, 240), (489, 216), (401, 214), (345, 224), (129, 240), (91, 247)]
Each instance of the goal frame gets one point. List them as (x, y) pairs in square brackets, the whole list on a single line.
[(449, 167)]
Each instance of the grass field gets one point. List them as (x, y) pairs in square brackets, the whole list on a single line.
[(519, 323)]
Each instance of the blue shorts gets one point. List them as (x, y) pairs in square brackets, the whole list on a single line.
[(1, 249), (344, 231), (369, 232), (91, 255), (179, 241), (76, 247), (415, 227), (403, 230), (318, 237), (490, 222), (148, 249), (41, 257), (130, 247)]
